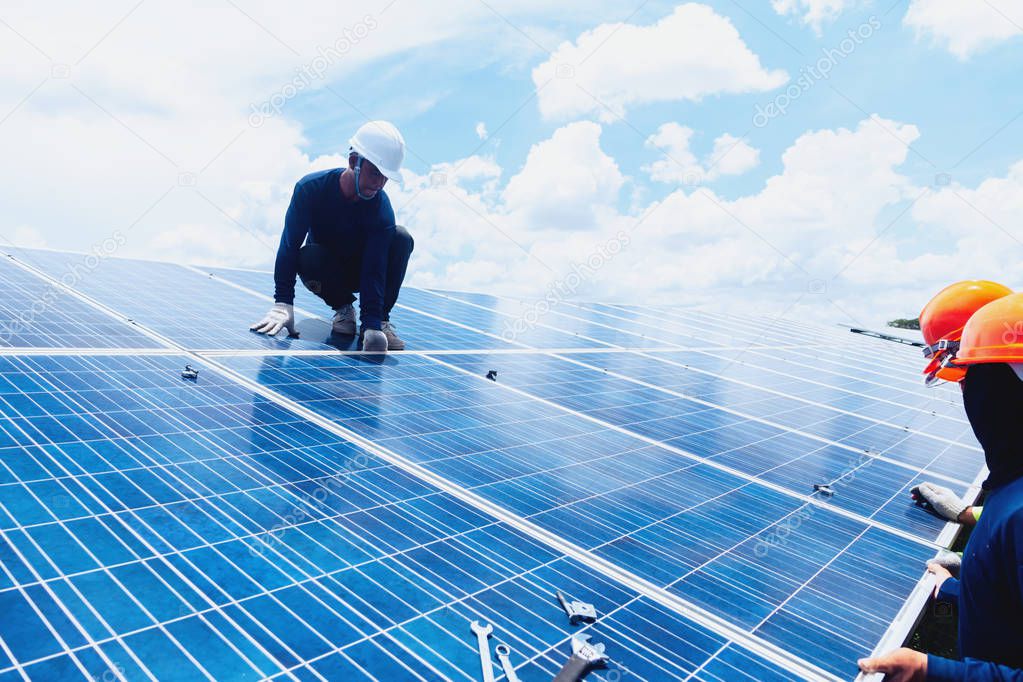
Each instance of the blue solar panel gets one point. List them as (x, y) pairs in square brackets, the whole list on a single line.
[(543, 324), (351, 516), (690, 527), (193, 310), (191, 529), (35, 313)]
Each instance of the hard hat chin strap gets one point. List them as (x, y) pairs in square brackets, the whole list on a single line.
[(358, 172)]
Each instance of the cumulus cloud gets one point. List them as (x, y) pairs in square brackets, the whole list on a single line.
[(730, 156), (814, 13), (566, 181), (816, 240), (690, 54), (481, 130), (733, 156), (964, 28)]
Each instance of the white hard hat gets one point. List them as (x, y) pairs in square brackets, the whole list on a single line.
[(380, 143)]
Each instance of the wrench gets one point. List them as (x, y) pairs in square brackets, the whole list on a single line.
[(503, 651), (584, 657), (482, 632)]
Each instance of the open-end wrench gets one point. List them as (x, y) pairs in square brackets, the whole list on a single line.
[(584, 657), (503, 651), (482, 633)]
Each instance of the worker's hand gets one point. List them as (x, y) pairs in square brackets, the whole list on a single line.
[(901, 665), (941, 574), (943, 501), (281, 316)]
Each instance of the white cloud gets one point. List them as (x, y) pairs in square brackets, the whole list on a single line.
[(964, 28), (679, 163), (813, 12), (481, 130), (824, 217), (566, 181), (730, 156), (690, 54)]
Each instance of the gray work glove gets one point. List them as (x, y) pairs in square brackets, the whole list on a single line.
[(281, 316), (943, 501)]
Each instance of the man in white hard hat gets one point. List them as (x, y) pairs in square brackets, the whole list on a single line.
[(340, 238)]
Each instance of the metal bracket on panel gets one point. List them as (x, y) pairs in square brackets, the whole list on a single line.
[(577, 610), (190, 373)]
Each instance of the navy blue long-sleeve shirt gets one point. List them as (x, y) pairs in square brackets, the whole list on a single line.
[(990, 595), (320, 212)]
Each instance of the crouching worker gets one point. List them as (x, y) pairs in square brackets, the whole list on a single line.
[(991, 578), (340, 238)]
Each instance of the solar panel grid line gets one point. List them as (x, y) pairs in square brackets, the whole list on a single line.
[(161, 342), (728, 336), (710, 462), (701, 616), (785, 462), (788, 379), (61, 523), (67, 612), (793, 396), (180, 576), (280, 556), (554, 327), (770, 323), (137, 537), (744, 405), (851, 347), (115, 636), (16, 665), (34, 314), (181, 300), (843, 345), (285, 559), (711, 353), (526, 350), (46, 351), (759, 359), (768, 422), (866, 365)]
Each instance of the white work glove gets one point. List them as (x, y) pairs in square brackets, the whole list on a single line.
[(943, 501), (281, 316)]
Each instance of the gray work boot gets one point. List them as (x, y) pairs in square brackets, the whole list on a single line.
[(374, 341), (394, 342), (344, 320)]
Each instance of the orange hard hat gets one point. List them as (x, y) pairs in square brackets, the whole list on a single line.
[(994, 333), (943, 318)]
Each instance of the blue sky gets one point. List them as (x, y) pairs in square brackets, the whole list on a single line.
[(955, 103), (108, 111)]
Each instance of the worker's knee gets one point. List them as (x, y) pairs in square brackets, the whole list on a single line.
[(402, 240)]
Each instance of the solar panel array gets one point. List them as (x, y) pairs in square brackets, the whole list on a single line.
[(304, 511)]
